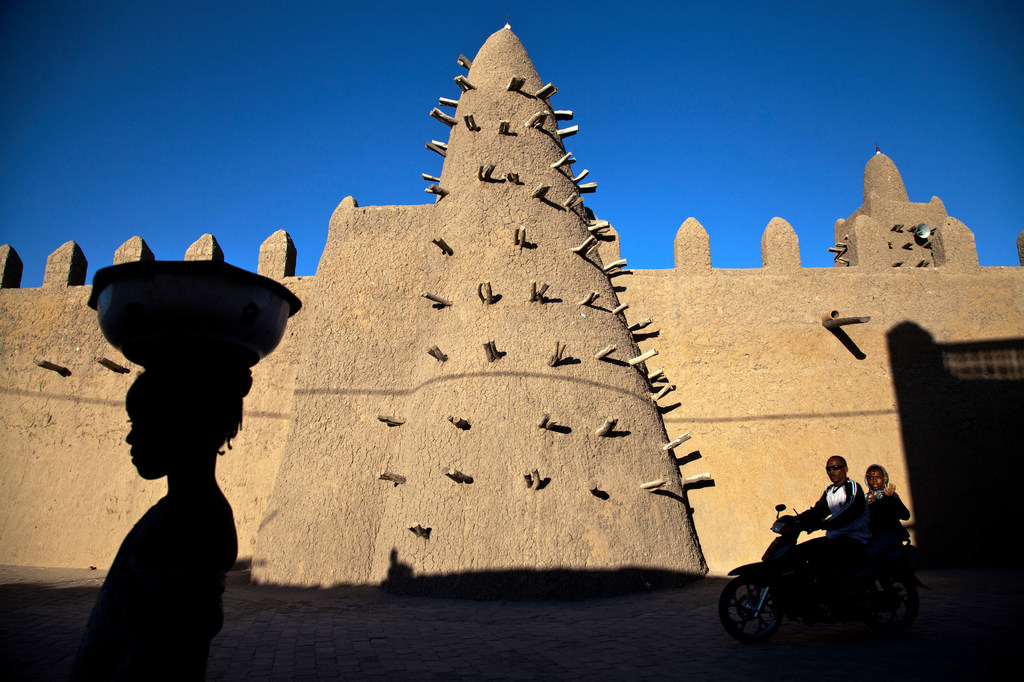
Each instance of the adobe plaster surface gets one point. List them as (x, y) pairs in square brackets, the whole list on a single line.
[(931, 382)]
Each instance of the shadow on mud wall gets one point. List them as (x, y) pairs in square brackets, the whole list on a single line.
[(960, 406), (531, 583)]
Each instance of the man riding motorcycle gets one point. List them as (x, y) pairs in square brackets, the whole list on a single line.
[(843, 514)]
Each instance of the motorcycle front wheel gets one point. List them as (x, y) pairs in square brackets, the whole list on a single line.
[(738, 609), (894, 606)]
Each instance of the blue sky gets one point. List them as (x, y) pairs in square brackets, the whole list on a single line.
[(172, 119)]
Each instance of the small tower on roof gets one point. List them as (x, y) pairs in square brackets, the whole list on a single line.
[(890, 231)]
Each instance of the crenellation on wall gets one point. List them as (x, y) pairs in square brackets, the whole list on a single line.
[(133, 250), (780, 249), (205, 248), (10, 267), (66, 267), (692, 247), (277, 256)]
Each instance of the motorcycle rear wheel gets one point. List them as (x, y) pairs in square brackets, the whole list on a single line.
[(895, 605), (737, 609)]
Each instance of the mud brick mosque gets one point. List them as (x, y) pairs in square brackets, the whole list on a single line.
[(492, 404)]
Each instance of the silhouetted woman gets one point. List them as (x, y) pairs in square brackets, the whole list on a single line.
[(161, 602)]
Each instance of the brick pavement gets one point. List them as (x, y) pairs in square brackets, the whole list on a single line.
[(968, 628)]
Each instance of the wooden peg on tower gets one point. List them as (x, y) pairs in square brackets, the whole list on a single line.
[(604, 352), (567, 132), (572, 202), (471, 123), (464, 84), (547, 423), (435, 352), (619, 308), (584, 173), (567, 159), (588, 188), (546, 91), (563, 114), (443, 117), (558, 355), (607, 427), (519, 237), (464, 62), (483, 290), (621, 263), (445, 102), (516, 83), (676, 443), (535, 293), (636, 326), (640, 358), (484, 172), (591, 297), (537, 120), (663, 392), (504, 127), (584, 248), (439, 191), (438, 146), (429, 178), (540, 192)]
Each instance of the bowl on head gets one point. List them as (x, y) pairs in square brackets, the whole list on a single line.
[(165, 311)]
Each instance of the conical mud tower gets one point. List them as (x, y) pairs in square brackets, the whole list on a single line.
[(484, 441)]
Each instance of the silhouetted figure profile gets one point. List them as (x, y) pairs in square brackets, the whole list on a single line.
[(161, 602)]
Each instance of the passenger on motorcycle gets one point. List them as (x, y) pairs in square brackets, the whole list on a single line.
[(885, 511), (843, 513)]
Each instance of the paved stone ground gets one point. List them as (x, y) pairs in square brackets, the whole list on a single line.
[(968, 628)]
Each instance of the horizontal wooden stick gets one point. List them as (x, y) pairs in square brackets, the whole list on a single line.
[(435, 298), (546, 91), (676, 443), (640, 358), (458, 476), (443, 117), (113, 366)]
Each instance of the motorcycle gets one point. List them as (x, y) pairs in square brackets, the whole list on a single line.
[(787, 583)]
